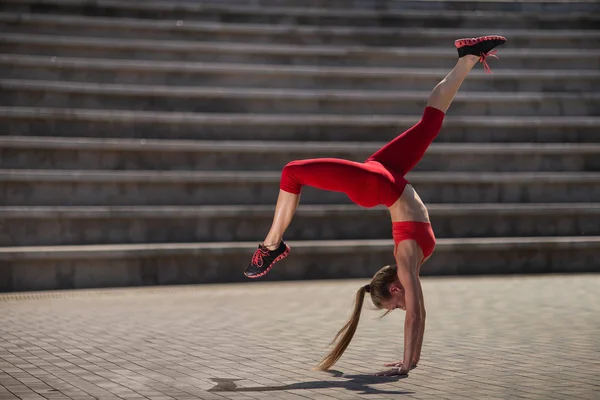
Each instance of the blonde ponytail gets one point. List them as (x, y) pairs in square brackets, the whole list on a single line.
[(346, 333)]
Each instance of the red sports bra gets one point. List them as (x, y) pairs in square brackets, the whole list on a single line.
[(420, 232)]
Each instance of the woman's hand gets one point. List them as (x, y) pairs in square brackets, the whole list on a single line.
[(393, 372), (399, 364)]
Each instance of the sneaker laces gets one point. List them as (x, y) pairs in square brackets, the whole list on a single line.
[(484, 56), (257, 258)]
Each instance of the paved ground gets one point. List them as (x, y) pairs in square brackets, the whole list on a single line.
[(516, 337)]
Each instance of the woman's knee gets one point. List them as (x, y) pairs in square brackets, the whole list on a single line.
[(290, 181)]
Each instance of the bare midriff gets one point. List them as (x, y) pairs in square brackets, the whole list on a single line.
[(409, 207)]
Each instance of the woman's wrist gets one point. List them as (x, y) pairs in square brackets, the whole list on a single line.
[(412, 365), (408, 367)]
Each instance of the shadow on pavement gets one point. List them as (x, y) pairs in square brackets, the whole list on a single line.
[(358, 383)]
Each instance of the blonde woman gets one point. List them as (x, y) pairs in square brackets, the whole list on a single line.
[(380, 180)]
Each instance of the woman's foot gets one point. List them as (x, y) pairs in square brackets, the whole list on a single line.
[(481, 47), (264, 259)]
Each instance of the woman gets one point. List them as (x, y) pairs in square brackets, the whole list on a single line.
[(380, 180)]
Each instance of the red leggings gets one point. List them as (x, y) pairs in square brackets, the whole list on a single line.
[(380, 179)]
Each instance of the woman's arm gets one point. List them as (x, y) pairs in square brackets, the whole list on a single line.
[(407, 260), (414, 320), (417, 356), (422, 333)]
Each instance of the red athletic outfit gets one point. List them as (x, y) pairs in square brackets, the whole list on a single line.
[(379, 180), (420, 232)]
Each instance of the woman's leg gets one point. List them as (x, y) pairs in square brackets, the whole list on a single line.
[(442, 95), (399, 156), (349, 177), (287, 203), (405, 151), (330, 174)]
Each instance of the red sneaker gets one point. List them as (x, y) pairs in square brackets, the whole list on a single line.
[(480, 46), (264, 259)]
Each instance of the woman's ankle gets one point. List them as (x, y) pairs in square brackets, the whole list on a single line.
[(271, 244), (468, 61)]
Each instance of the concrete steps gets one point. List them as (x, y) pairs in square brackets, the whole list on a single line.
[(398, 56), (65, 267), (178, 125), (131, 130), (76, 187), (186, 74), (74, 95), (153, 6), (288, 34), (19, 152), (62, 225), (303, 15)]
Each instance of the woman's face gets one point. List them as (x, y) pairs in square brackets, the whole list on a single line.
[(397, 300)]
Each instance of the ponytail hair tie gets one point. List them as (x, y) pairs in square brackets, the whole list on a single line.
[(367, 288)]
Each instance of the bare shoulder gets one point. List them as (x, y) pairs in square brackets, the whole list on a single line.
[(408, 256)]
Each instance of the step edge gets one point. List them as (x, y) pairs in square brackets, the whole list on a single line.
[(282, 119), (298, 11), (275, 69), (255, 28), (308, 211), (291, 49), (166, 91), (307, 247), (275, 146), (270, 177)]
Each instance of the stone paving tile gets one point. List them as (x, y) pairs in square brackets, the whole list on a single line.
[(532, 337)]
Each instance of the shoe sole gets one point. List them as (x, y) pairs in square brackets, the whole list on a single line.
[(459, 43), (281, 257)]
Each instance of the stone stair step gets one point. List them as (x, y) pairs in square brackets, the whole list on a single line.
[(284, 56), (22, 152), (552, 6), (287, 34), (306, 77), (21, 92), (62, 225), (557, 6), (77, 187), (179, 125), (303, 15), (62, 267)]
